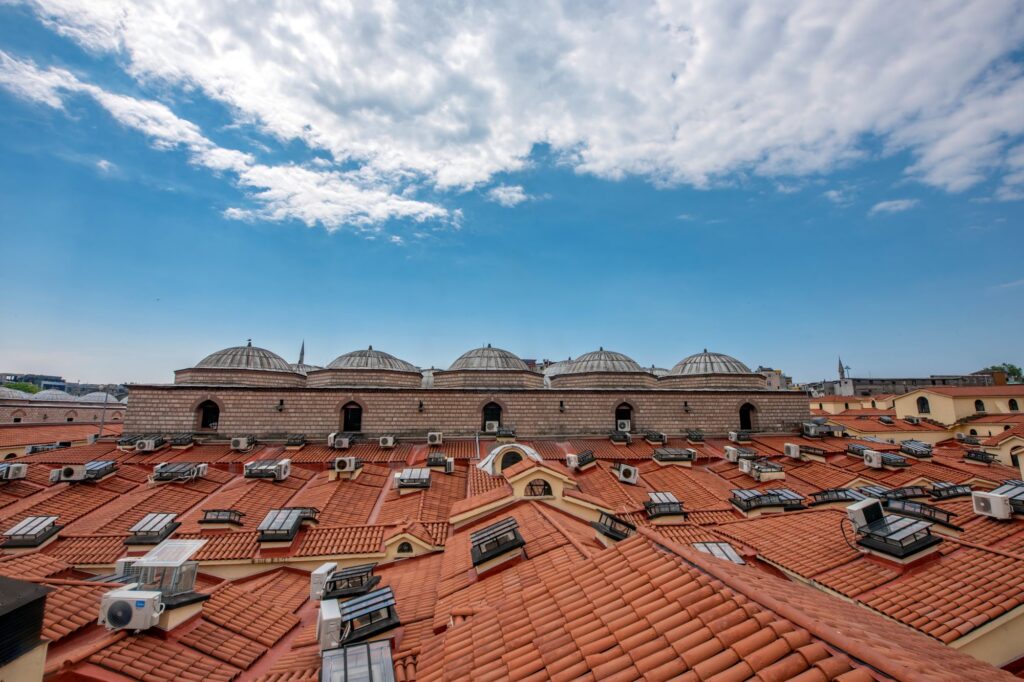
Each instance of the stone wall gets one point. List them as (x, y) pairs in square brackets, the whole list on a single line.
[(755, 381), (543, 412), (604, 380), (477, 378), (238, 377), (357, 377), (59, 412)]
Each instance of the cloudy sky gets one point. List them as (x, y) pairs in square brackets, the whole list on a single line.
[(785, 182)]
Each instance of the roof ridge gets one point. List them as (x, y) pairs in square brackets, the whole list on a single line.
[(567, 535)]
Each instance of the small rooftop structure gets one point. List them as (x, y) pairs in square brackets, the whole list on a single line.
[(281, 525), (749, 500), (708, 363), (495, 540), (488, 359)]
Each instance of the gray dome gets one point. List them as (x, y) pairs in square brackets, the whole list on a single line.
[(556, 368), (371, 359), (52, 394), (488, 358), (13, 394), (245, 357), (657, 371), (601, 360), (708, 363), (98, 397)]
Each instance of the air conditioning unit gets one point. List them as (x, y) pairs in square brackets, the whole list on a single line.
[(148, 444), (345, 464), (434, 438), (864, 512), (959, 436), (328, 625), (242, 442), (572, 462), (990, 504), (912, 420), (131, 609), (284, 469), (628, 474), (791, 450), (491, 427), (732, 454), (449, 465), (734, 436), (13, 471), (318, 578), (68, 472), (339, 441), (746, 466), (387, 441), (873, 459), (622, 425)]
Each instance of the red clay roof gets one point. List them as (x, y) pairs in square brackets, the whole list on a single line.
[(41, 434)]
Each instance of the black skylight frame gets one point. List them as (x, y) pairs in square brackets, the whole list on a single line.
[(675, 455), (505, 432), (176, 471), (970, 440), (351, 581), (836, 495), (495, 540), (262, 468), (746, 453), (281, 525), (916, 448), (663, 504), (294, 440), (655, 437), (152, 529), (621, 437), (180, 439), (722, 550), (876, 491), (763, 465), (613, 527), (367, 615), (980, 456), (856, 449), (942, 490), (906, 492), (32, 531), (744, 435), (231, 516), (920, 510), (99, 468), (897, 536), (695, 436), (436, 458), (414, 477), (891, 460), (128, 440), (361, 662), (584, 458), (1014, 489), (812, 450), (747, 500)]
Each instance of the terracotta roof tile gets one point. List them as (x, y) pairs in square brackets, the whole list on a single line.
[(224, 546), (342, 540), (87, 549), (153, 659), (239, 610), (481, 482), (221, 643), (72, 607), (31, 566), (35, 434)]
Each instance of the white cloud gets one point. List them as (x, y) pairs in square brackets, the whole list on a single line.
[(893, 206), (838, 197), (508, 195), (1010, 285), (105, 166), (449, 96)]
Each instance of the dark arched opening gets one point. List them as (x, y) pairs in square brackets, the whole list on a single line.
[(352, 418), (624, 417), (1014, 407), (538, 487), (404, 548), (747, 412), (209, 415), (491, 413), (979, 405), (974, 432), (922, 406), (510, 458)]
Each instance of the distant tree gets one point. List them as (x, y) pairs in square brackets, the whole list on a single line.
[(1012, 371), (23, 386)]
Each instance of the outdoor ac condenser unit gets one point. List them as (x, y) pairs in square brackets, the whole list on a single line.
[(990, 504)]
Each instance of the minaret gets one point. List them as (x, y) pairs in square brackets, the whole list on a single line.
[(302, 353)]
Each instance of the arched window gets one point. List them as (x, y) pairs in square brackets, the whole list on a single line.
[(979, 405), (404, 548), (538, 487), (974, 432), (491, 413), (209, 415), (922, 406), (624, 417), (352, 418), (1014, 407), (510, 458), (10, 455), (747, 414)]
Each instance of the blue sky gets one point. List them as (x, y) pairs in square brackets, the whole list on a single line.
[(168, 192)]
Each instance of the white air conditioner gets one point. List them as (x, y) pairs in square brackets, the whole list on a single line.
[(282, 470), (318, 579), (387, 441), (732, 454), (873, 459), (791, 450), (328, 625), (449, 465), (959, 436), (990, 504), (241, 443), (68, 472), (622, 425), (146, 445), (864, 512), (201, 470), (491, 427), (13, 472), (345, 464), (434, 438), (734, 436), (572, 461), (746, 466), (628, 474), (130, 609), (339, 441)]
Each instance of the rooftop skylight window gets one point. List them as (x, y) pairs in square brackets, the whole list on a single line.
[(743, 435), (944, 491), (167, 568), (98, 468), (266, 468), (614, 527), (436, 458), (232, 516), (180, 439), (151, 529), (764, 466), (695, 436), (655, 437), (876, 491), (748, 500), (294, 440), (897, 536), (495, 540), (891, 460), (916, 448), (621, 437), (980, 456), (675, 454), (584, 458), (836, 495), (283, 524), (722, 550), (1013, 489), (663, 504), (920, 510), (906, 492), (367, 662), (178, 471), (366, 615), (350, 581), (857, 449), (747, 453), (31, 531), (414, 478)]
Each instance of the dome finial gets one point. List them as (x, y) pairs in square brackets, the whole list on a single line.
[(600, 348), (488, 345), (248, 343), (705, 350), (371, 347)]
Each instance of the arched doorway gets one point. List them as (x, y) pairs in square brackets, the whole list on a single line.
[(747, 414), (491, 413), (352, 418), (624, 417), (208, 413), (510, 458)]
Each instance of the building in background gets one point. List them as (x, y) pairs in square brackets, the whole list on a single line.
[(846, 385), (775, 379)]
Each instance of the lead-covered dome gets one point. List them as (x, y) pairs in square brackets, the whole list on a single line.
[(708, 363), (371, 360), (13, 394), (54, 394), (98, 397), (601, 360), (488, 358), (245, 357)]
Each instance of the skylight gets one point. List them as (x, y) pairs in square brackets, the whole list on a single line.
[(920, 510), (178, 471), (366, 615), (614, 527), (891, 460), (151, 529), (31, 531), (180, 439), (1013, 489), (663, 504), (586, 457), (368, 662), (722, 550), (436, 458), (98, 468), (980, 456), (836, 495), (294, 440), (906, 492), (695, 436), (943, 490), (495, 540), (675, 454), (876, 491), (414, 478), (350, 581), (264, 468), (916, 448), (283, 524), (898, 536), (747, 500), (232, 516)]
